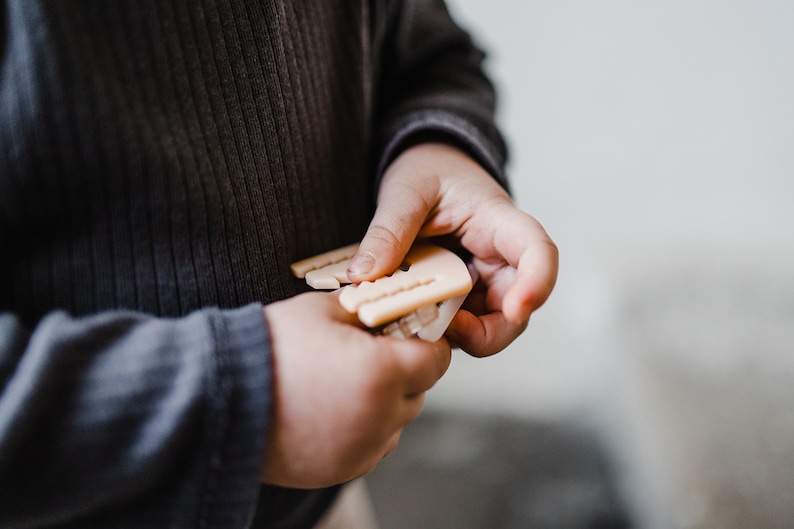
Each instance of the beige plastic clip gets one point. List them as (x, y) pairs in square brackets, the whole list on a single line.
[(420, 298), (327, 271)]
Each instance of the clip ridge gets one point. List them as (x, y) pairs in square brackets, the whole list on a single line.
[(420, 298)]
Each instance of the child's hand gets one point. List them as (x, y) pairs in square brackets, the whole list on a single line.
[(341, 395), (435, 189)]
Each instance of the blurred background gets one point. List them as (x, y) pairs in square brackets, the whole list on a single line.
[(655, 389)]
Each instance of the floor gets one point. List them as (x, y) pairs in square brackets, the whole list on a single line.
[(486, 472)]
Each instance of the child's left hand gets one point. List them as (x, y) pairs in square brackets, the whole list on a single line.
[(434, 190)]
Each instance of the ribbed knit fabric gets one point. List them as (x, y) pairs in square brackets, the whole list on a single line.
[(164, 428), (161, 165)]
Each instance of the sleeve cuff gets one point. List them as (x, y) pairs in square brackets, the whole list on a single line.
[(239, 409), (449, 127)]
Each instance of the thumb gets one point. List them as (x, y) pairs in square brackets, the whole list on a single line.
[(397, 221)]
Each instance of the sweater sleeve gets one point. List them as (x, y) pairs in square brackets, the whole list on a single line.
[(121, 419), (433, 85)]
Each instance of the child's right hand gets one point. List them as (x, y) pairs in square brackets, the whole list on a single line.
[(341, 395)]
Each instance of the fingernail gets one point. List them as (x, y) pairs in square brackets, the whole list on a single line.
[(362, 263)]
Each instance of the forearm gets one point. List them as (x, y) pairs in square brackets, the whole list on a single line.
[(434, 85), (149, 419)]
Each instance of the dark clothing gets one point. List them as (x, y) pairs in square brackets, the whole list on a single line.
[(161, 165)]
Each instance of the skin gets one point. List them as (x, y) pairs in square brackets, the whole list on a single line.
[(435, 190), (339, 409)]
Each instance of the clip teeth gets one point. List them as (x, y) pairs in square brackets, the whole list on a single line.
[(409, 325), (420, 298)]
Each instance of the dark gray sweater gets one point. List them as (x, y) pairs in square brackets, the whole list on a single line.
[(161, 165)]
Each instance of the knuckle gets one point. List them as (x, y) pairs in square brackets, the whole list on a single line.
[(379, 376), (380, 234), (554, 250)]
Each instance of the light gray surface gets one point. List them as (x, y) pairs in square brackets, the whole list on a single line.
[(643, 134), (654, 141), (471, 471), (698, 404)]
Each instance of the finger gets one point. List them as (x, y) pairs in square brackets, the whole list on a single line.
[(402, 210), (522, 242), (412, 406), (337, 311), (484, 335), (422, 363), (392, 443), (368, 464), (534, 281), (393, 229)]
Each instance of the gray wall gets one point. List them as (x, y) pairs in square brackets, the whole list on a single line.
[(655, 141)]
